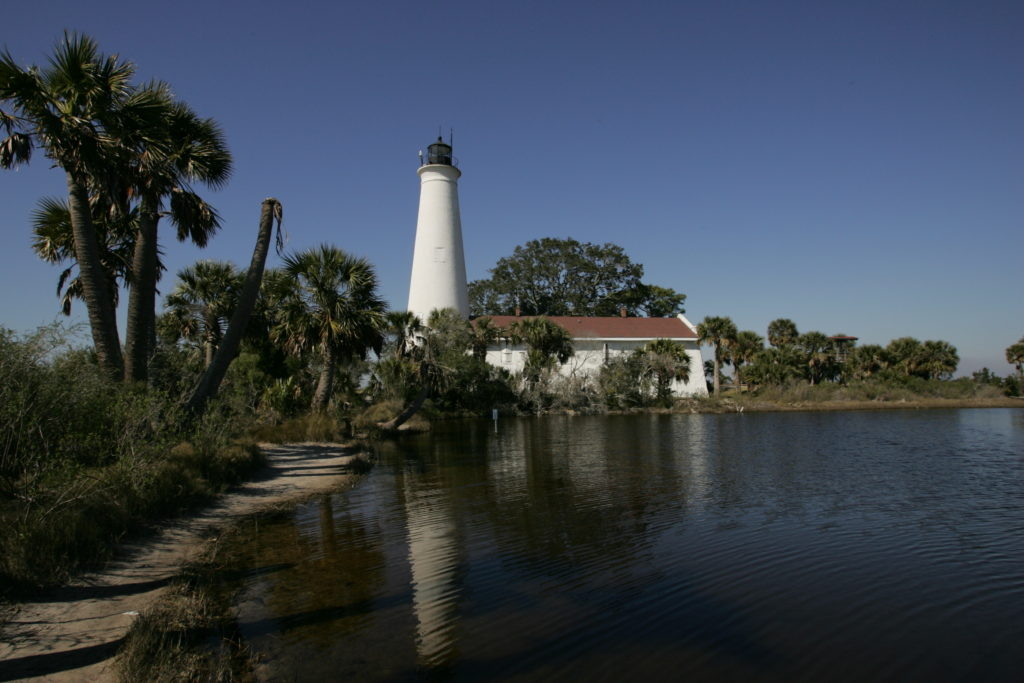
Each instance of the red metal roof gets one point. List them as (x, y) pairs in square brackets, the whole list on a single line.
[(611, 328)]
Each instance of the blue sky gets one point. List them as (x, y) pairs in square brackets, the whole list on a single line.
[(857, 167)]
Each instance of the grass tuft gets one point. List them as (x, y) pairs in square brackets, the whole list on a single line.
[(190, 634), (314, 427)]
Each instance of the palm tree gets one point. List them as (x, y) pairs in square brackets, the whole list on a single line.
[(54, 242), (209, 383), (782, 332), (866, 361), (485, 333), (719, 331), (743, 349), (426, 367), (1015, 357), (75, 110), (817, 349), (547, 344), (404, 329), (907, 356), (664, 361), (202, 302), (940, 359), (775, 366), (335, 312), (182, 149)]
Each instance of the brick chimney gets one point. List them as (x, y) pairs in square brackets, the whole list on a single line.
[(622, 312)]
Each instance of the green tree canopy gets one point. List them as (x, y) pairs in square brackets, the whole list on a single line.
[(548, 345), (782, 332), (79, 111), (334, 312), (867, 361), (201, 303), (1015, 356), (553, 276), (820, 361), (743, 349), (664, 360)]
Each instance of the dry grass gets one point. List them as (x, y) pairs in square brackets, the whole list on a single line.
[(313, 427), (190, 633), (855, 396), (75, 520)]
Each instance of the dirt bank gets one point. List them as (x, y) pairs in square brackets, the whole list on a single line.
[(71, 634)]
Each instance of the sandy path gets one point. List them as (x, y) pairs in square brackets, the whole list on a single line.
[(71, 633)]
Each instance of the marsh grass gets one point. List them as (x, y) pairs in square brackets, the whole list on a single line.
[(863, 395), (74, 518), (190, 633), (313, 427), (904, 390)]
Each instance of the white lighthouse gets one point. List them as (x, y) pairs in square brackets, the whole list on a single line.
[(438, 264)]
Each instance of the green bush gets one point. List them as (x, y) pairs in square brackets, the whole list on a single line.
[(84, 461)]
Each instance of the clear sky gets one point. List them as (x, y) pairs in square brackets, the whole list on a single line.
[(855, 166)]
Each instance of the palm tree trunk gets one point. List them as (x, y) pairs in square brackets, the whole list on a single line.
[(211, 337), (209, 383), (98, 299), (325, 385), (142, 297), (409, 411), (718, 377), (209, 349)]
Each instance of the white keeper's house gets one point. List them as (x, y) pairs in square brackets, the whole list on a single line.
[(438, 280), (598, 340)]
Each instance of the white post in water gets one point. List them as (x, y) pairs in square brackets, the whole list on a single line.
[(438, 264)]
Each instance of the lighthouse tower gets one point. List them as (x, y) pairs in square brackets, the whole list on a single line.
[(438, 264)]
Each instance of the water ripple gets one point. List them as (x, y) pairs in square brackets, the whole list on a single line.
[(858, 546)]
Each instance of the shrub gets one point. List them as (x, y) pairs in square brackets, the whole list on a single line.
[(83, 461)]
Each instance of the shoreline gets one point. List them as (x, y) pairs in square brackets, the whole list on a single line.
[(755, 405), (73, 632)]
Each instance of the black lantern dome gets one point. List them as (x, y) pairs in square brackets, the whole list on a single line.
[(440, 153)]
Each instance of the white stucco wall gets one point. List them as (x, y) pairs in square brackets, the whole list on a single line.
[(591, 354), (438, 264)]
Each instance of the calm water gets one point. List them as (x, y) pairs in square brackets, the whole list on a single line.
[(781, 547)]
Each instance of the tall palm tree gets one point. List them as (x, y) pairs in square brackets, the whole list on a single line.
[(78, 110), (202, 301), (335, 312), (209, 383), (743, 349), (718, 331), (180, 150)]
